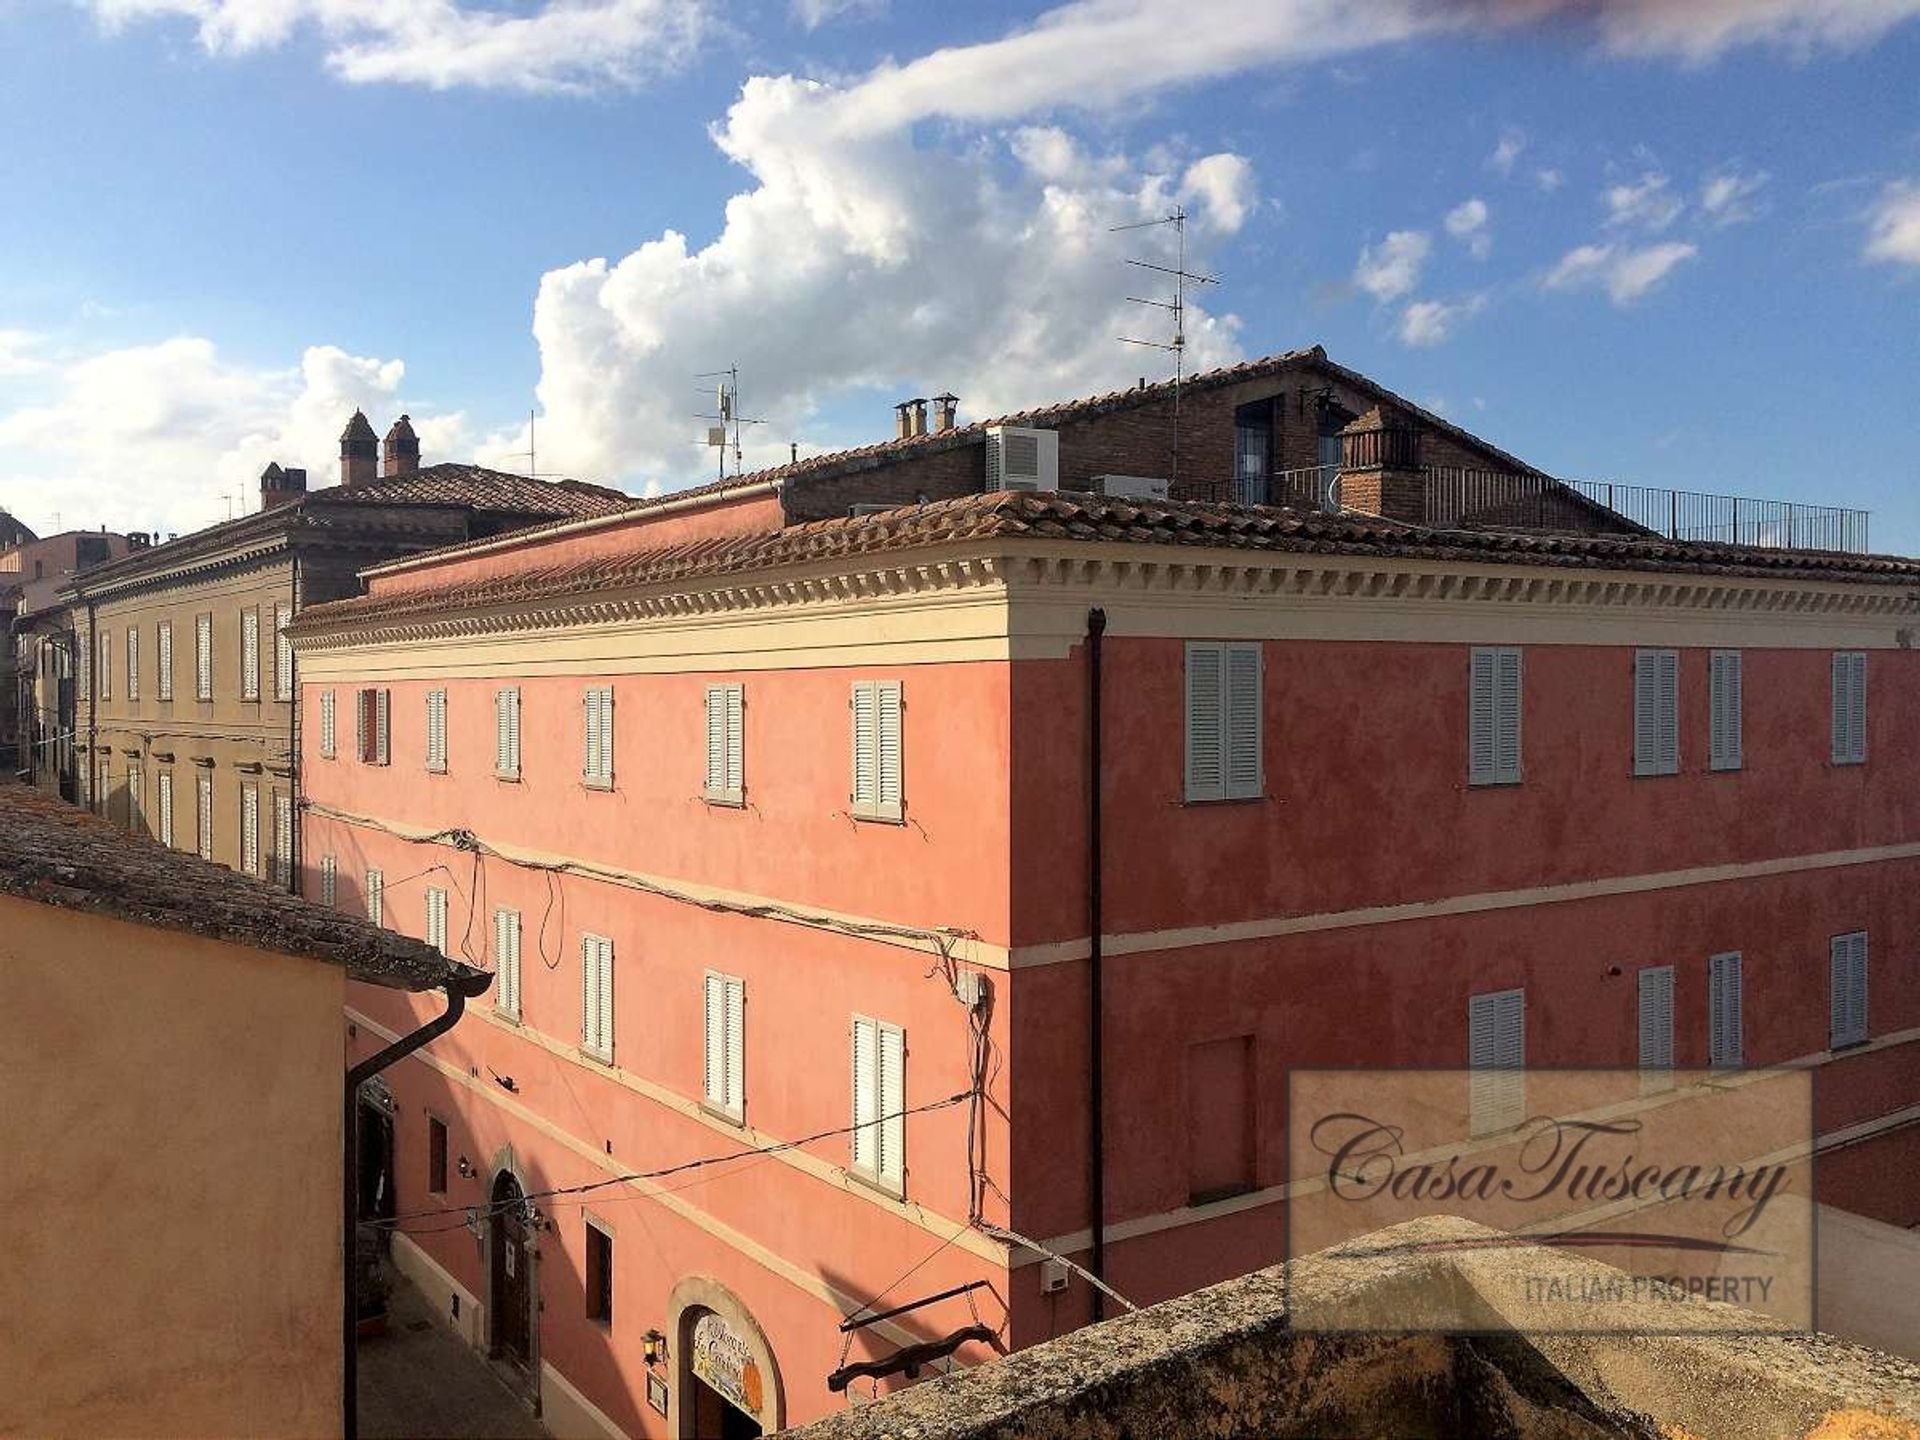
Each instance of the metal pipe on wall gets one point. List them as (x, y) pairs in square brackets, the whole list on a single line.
[(1096, 1104)]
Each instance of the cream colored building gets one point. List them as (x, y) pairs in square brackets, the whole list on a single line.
[(184, 721), (173, 1127)]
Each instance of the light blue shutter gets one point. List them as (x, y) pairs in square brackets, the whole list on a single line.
[(1206, 722), (1724, 1010), (1849, 708), (1496, 1051), (1656, 1025), (1506, 726), (1243, 714), (1847, 971), (1725, 705), (1656, 712)]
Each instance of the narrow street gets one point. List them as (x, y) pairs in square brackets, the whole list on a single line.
[(420, 1381)]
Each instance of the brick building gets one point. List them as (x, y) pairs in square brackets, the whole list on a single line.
[(780, 835), (183, 682)]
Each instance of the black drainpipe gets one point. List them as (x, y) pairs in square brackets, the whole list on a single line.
[(94, 802), (458, 989), (1096, 1118)]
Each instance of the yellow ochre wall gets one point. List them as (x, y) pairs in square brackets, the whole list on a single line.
[(170, 1152)]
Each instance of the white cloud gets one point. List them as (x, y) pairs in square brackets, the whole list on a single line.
[(157, 436), (1392, 269), (815, 13), (1893, 226), (1512, 142), (1626, 273), (1699, 30), (1729, 197), (1649, 204), (15, 358), (1429, 322), (561, 45), (1467, 223), (1548, 180), (1225, 187)]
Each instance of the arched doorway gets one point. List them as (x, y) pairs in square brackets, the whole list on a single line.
[(510, 1275), (728, 1382)]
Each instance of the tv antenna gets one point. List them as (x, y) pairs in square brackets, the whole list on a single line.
[(531, 452), (1177, 306), (727, 405)]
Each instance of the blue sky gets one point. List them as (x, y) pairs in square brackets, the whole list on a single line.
[(1676, 245)]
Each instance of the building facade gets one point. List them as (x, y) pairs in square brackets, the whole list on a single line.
[(177, 1117), (779, 837), (34, 741), (182, 680)]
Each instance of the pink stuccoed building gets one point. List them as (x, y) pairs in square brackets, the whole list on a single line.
[(837, 834)]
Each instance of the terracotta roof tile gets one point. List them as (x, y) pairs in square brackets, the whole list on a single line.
[(59, 854), (484, 489), (1066, 516)]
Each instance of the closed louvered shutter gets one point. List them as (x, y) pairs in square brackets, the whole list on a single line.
[(1243, 760), (866, 760), (887, 749), (437, 731), (1847, 968), (715, 1011), (203, 657), (866, 1062), (506, 962), (250, 829), (1656, 1025), (203, 816), (1849, 708), (1724, 1028), (596, 996), (136, 790), (133, 663), (249, 654), (163, 657), (327, 727), (376, 896), (363, 711), (725, 1074), (437, 919), (1656, 712), (282, 840), (891, 1082), (329, 880), (382, 725), (282, 653), (506, 734), (1206, 722), (597, 720), (1496, 1051), (1493, 716), (165, 803), (106, 666), (1724, 705)]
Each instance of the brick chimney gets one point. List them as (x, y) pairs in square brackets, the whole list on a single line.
[(1380, 466), (945, 407), (278, 487), (919, 416), (359, 452), (903, 417), (402, 452)]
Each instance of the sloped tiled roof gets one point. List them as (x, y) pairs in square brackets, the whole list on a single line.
[(59, 854), (1065, 516)]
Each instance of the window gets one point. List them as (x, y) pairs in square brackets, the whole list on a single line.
[(328, 729), (373, 726), (282, 840), (133, 662), (1723, 1010), (599, 1274), (1656, 712), (506, 962), (136, 797), (1656, 1027), (1493, 717), (436, 1155), (106, 666), (1723, 705), (726, 744), (437, 731), (163, 805), (506, 734), (726, 997), (1223, 722), (164, 656), (282, 653), (437, 919), (879, 1103), (1496, 1052), (596, 997), (83, 667), (329, 880), (203, 819), (1220, 1119), (1847, 971), (876, 750), (250, 829), (203, 657), (597, 767), (1849, 708), (250, 654), (376, 895)]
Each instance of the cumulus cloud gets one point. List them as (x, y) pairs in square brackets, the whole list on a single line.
[(1512, 142), (1730, 198), (1224, 186), (1626, 273), (1549, 180), (1429, 322), (159, 436), (1699, 30), (1392, 268), (1650, 204), (1893, 225), (1467, 223)]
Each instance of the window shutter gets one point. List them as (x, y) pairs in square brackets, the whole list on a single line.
[(716, 742), (250, 829), (589, 997), (376, 898), (437, 731), (1507, 702), (327, 727), (282, 839), (736, 742), (106, 666), (736, 1049), (133, 663), (382, 726), (163, 656), (1849, 708), (166, 808), (437, 919), (1482, 757), (1656, 1022), (1244, 704), (329, 879), (590, 729), (1496, 1052), (249, 654), (1206, 722), (891, 1101), (866, 768), (603, 960), (1723, 1007), (363, 726), (866, 1140), (506, 734), (506, 962), (1656, 710), (887, 749), (715, 1083), (1724, 703), (203, 656), (1847, 969), (204, 816), (282, 654)]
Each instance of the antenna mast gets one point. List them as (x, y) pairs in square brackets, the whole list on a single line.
[(1182, 278), (727, 403)]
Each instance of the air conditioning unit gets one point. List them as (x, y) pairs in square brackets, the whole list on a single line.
[(1022, 459), (1134, 487)]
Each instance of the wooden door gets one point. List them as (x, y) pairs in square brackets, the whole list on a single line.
[(510, 1288)]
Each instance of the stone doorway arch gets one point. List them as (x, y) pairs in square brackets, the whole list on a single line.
[(726, 1377)]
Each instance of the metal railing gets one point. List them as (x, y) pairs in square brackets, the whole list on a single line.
[(1455, 497)]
